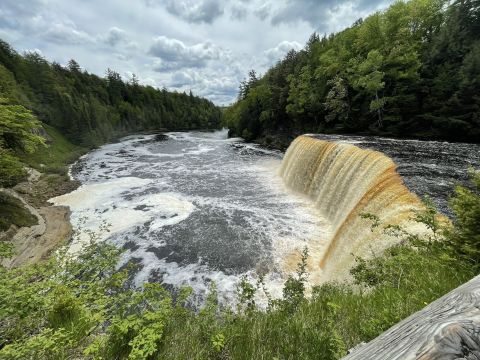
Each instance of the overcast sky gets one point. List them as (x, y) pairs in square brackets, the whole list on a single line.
[(207, 46)]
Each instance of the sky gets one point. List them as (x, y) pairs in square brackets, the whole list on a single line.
[(206, 46)]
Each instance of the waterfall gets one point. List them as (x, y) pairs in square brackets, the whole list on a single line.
[(345, 181)]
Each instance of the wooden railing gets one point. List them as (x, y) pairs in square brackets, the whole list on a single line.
[(447, 329)]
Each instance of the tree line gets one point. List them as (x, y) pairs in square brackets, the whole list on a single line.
[(412, 70), (85, 108), (89, 109)]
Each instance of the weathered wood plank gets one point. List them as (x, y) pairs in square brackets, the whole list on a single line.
[(448, 328)]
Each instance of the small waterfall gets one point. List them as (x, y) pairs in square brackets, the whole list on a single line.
[(345, 181)]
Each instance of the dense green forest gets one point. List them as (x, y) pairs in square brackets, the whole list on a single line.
[(90, 110), (412, 70), (84, 108)]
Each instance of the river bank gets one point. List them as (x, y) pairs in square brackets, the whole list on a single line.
[(50, 225), (34, 227)]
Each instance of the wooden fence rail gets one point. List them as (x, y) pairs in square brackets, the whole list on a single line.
[(447, 329)]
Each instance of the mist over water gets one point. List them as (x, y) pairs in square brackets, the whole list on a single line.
[(192, 208)]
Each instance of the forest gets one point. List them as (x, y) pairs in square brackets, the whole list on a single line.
[(411, 71), (89, 109)]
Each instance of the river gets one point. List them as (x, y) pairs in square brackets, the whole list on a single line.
[(194, 208)]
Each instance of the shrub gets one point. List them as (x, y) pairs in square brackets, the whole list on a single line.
[(466, 234)]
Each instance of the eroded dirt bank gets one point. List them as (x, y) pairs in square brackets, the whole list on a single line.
[(34, 243)]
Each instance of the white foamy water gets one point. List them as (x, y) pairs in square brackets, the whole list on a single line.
[(192, 208)]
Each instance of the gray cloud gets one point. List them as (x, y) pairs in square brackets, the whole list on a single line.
[(263, 11), (30, 17), (115, 36), (238, 12), (173, 54), (218, 88), (319, 13), (18, 8), (193, 11), (16, 14), (62, 33), (118, 35), (278, 52), (181, 78)]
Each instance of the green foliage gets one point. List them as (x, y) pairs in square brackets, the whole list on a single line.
[(410, 70), (466, 206), (336, 101), (17, 128), (84, 308), (17, 136), (294, 288), (218, 342), (56, 155), (11, 169), (430, 218), (13, 212), (90, 110)]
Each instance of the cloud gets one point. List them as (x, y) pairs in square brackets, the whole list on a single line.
[(21, 8), (278, 52), (181, 78), (319, 13), (62, 33), (192, 11), (18, 15), (115, 36), (173, 54), (263, 11), (31, 18), (238, 12), (216, 86), (33, 51), (122, 35)]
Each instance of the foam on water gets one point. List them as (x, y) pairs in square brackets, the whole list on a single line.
[(195, 208), (117, 204)]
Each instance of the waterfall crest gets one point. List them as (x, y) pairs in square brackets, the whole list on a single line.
[(345, 181)]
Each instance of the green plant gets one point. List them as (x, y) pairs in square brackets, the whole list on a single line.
[(294, 288), (218, 342), (13, 212), (465, 236)]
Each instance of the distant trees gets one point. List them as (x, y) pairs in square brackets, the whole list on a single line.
[(369, 79), (411, 70), (18, 128), (336, 102), (90, 110)]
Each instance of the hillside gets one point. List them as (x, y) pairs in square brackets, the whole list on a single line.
[(64, 111), (411, 71)]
